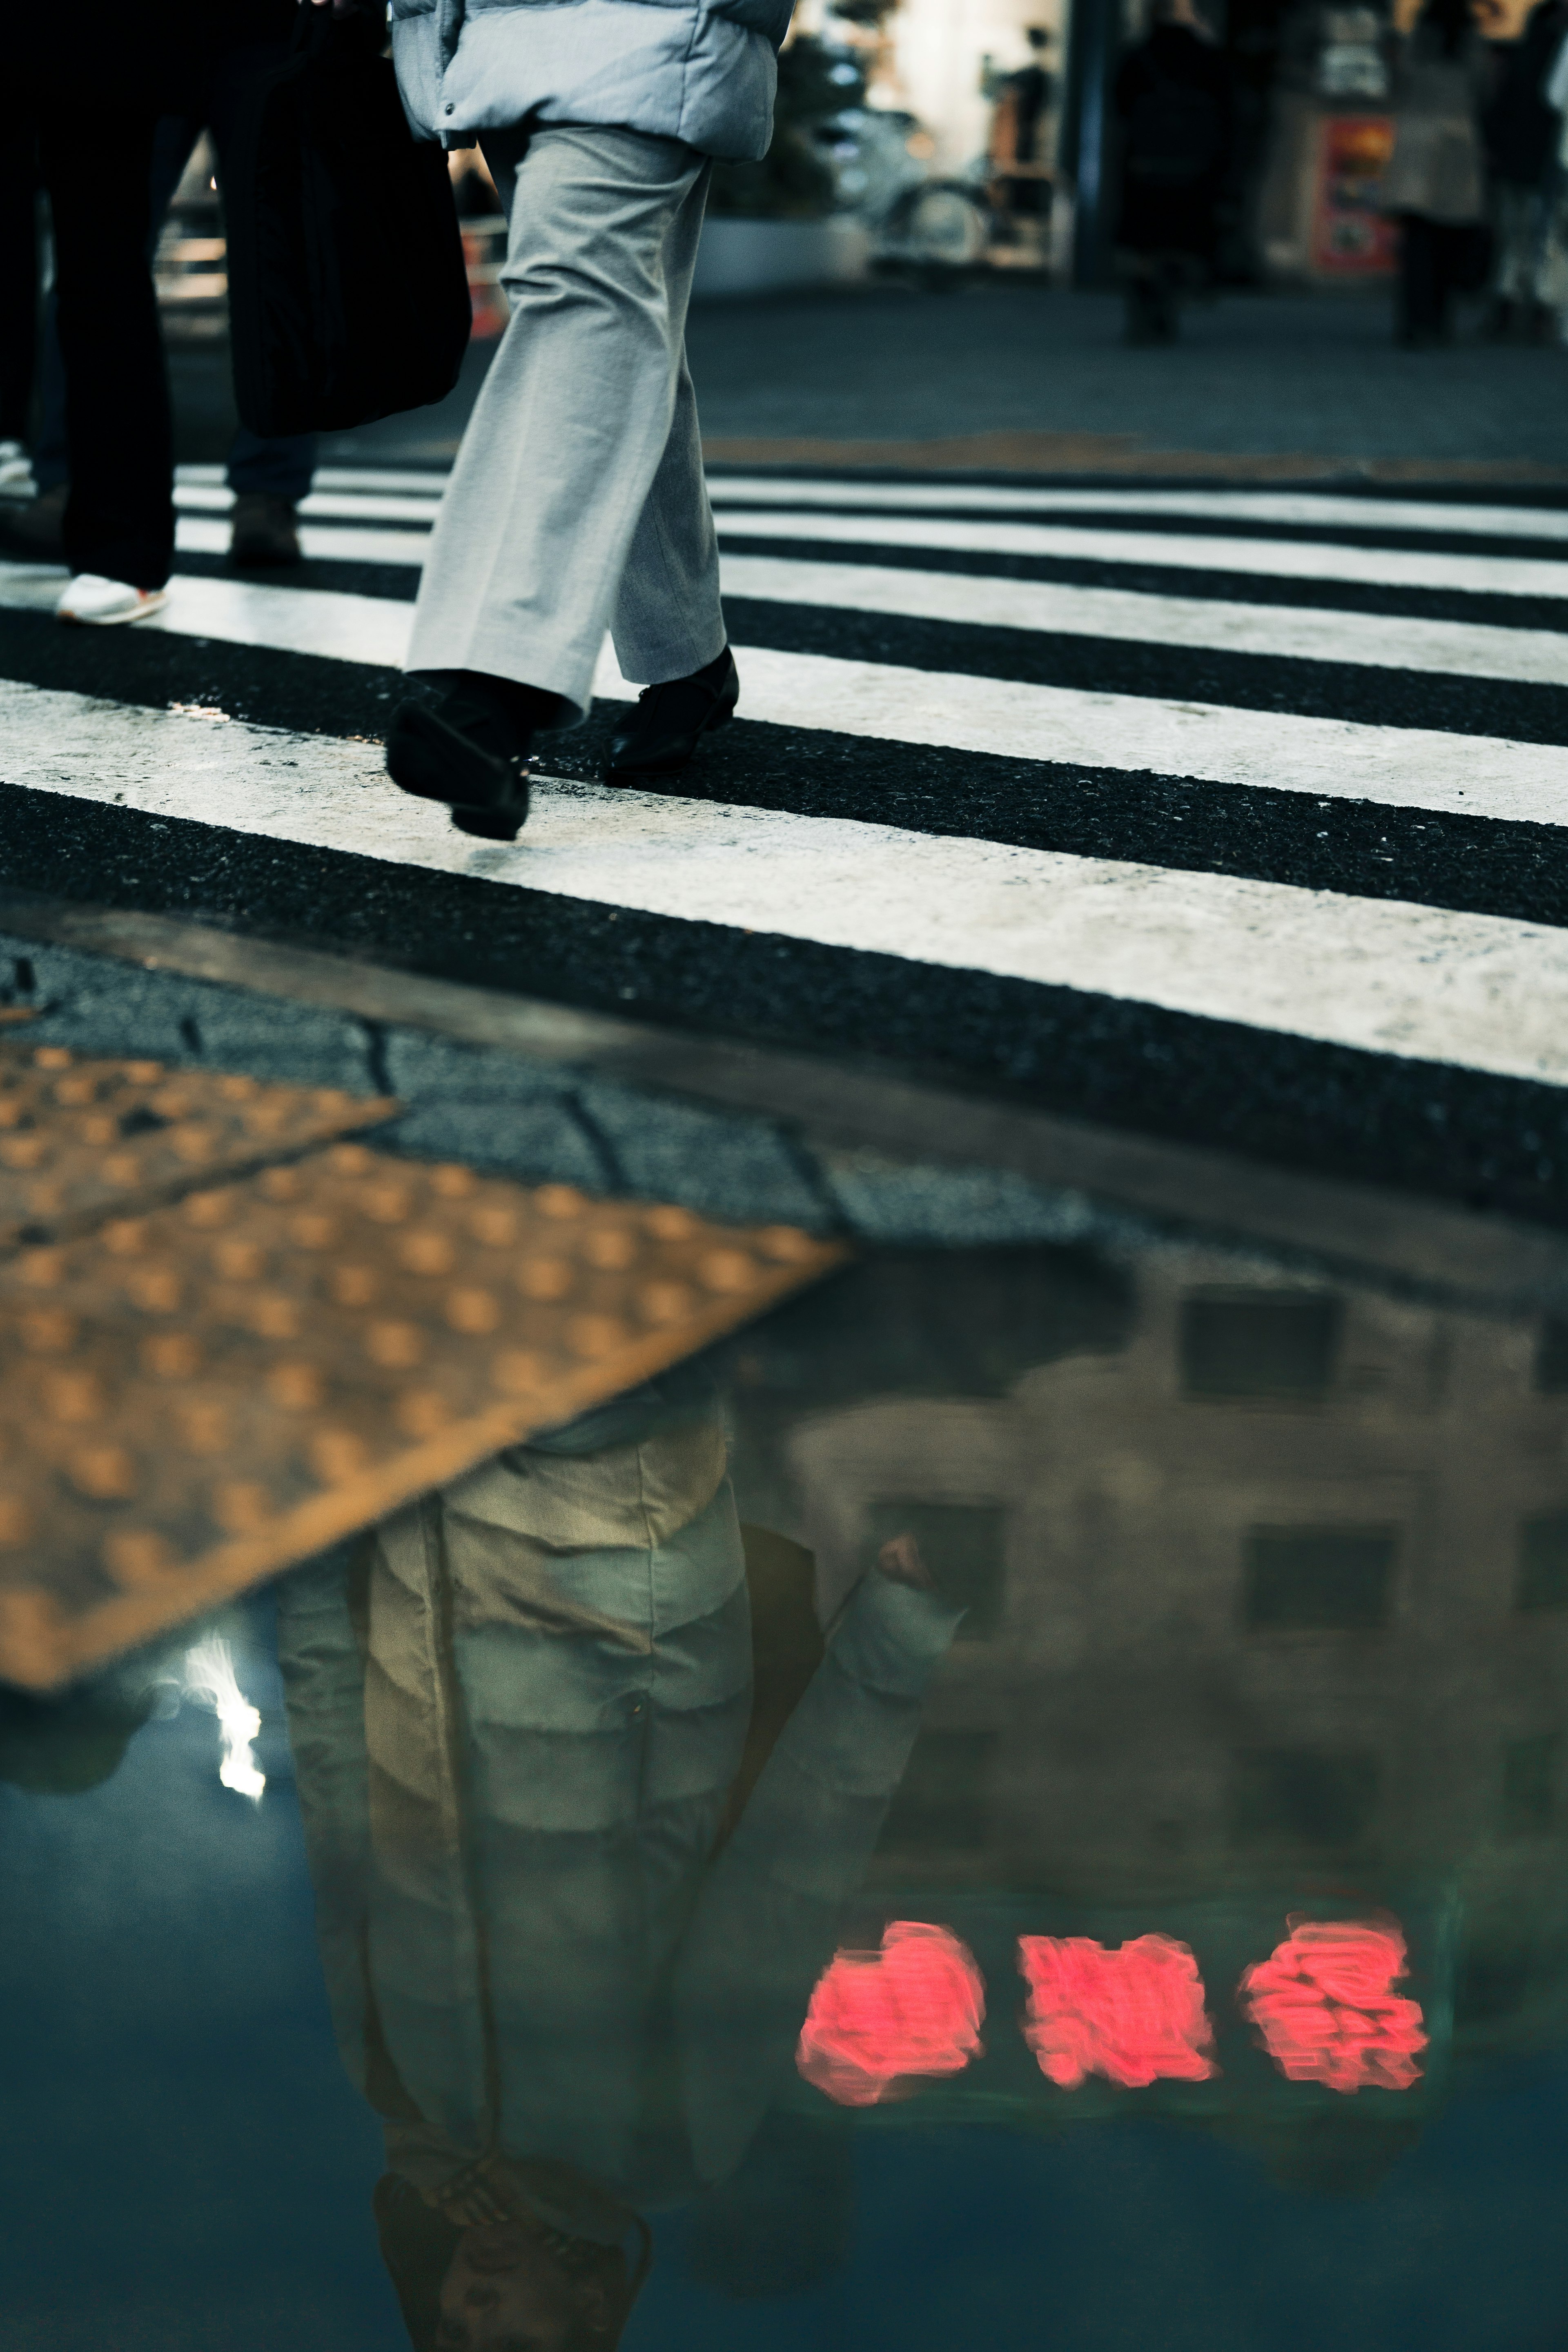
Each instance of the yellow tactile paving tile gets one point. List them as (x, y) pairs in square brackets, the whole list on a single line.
[(195, 1396), (81, 1140)]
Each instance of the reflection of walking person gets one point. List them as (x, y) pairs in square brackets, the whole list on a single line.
[(1173, 97), (571, 1906), (1436, 183)]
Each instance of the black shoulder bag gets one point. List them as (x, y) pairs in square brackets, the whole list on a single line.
[(348, 297)]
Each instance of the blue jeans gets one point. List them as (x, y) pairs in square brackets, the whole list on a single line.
[(282, 465)]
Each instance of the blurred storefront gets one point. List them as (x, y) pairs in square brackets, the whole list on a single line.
[(1313, 124)]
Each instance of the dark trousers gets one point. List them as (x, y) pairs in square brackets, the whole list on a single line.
[(96, 163), (1432, 261), (18, 278), (282, 465)]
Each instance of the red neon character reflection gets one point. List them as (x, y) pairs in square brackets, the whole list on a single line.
[(880, 2021), (1324, 2004), (1133, 2014)]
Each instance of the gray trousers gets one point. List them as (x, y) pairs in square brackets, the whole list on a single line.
[(577, 502)]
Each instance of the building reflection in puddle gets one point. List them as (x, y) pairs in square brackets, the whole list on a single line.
[(1011, 1692), (1257, 1708)]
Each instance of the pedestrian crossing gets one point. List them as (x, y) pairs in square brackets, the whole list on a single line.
[(1138, 798)]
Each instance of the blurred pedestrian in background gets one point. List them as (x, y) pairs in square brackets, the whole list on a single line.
[(578, 497), (1173, 103), (202, 68), (1522, 129), (1436, 183)]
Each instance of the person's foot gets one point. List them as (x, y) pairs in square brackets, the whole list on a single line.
[(91, 597), (663, 732), (264, 530), (471, 750), (15, 471), (32, 530)]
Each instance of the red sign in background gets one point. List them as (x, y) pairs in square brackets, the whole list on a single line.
[(1324, 2006), (1352, 237)]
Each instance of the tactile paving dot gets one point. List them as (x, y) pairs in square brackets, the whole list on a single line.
[(80, 1139), (204, 1392)]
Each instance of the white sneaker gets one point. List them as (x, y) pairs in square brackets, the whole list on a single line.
[(15, 471), (91, 597)]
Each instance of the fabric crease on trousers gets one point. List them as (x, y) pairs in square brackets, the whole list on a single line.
[(577, 503)]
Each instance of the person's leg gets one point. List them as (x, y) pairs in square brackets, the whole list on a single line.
[(18, 278), (119, 519), (272, 466), (1418, 310), (1511, 231), (667, 620), (279, 466), (1451, 249), (1167, 297), (568, 434)]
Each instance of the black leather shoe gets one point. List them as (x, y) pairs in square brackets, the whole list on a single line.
[(471, 750), (662, 733)]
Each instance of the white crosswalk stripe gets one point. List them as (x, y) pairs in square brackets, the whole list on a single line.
[(1357, 965), (1402, 767), (1276, 559), (1309, 510), (1490, 994), (1288, 632)]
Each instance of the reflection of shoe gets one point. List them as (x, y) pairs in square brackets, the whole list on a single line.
[(32, 530), (264, 530), (471, 750), (15, 471), (91, 597), (662, 733)]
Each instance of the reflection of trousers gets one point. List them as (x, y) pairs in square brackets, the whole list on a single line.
[(1431, 262), (1523, 216), (577, 502)]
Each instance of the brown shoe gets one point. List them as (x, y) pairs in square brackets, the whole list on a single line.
[(265, 531), (32, 530)]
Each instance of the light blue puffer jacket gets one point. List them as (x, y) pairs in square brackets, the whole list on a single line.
[(704, 71)]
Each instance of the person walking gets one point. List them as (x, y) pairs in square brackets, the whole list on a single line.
[(90, 80), (1522, 129), (223, 57), (1172, 98), (1436, 183), (577, 501)]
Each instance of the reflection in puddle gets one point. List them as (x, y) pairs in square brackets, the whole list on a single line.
[(1005, 1699), (879, 2022), (208, 1678), (1135, 2015)]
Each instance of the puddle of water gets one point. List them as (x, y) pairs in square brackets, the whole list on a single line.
[(1171, 1948)]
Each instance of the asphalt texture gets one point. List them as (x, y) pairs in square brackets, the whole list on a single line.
[(1260, 375)]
